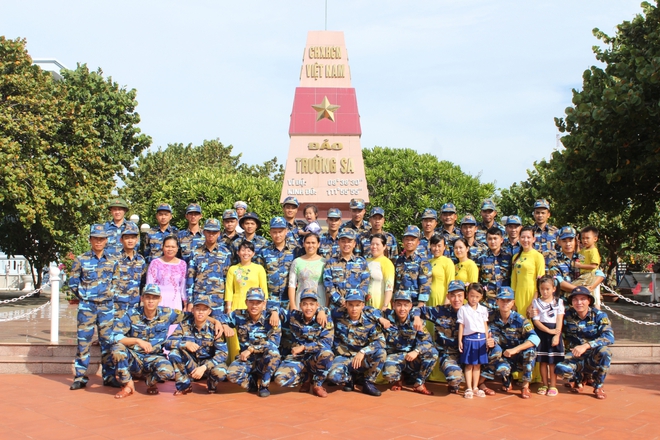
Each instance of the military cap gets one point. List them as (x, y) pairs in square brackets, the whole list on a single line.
[(229, 214), (402, 295), (130, 229), (430, 213), (255, 294), (581, 290), (566, 232), (354, 295), (542, 203), (377, 210), (212, 225), (347, 233), (448, 207), (277, 223), (164, 207), (309, 293), (202, 300), (468, 219), (505, 292), (151, 289), (98, 230), (334, 213), (412, 231), (291, 201), (456, 285), (117, 202), (250, 216), (357, 204), (240, 204), (194, 207), (488, 204), (513, 220)]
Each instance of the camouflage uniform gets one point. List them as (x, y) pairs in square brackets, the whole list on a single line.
[(363, 227), (450, 238), (475, 250), (413, 273), (340, 274), (293, 238), (446, 340), (114, 246), (351, 338), (329, 247), (494, 272), (259, 243), (277, 263), (596, 330), (153, 244), (315, 361), (212, 353), (509, 248), (546, 242), (264, 340), (188, 242), (207, 272), (480, 235), (92, 281), (365, 245), (130, 272)]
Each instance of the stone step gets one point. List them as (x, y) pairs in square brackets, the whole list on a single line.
[(45, 365), (636, 365)]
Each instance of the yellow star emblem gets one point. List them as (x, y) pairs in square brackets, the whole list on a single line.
[(325, 110)]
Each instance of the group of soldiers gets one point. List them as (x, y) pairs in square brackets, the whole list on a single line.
[(345, 344)]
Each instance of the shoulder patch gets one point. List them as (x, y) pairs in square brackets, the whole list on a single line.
[(528, 326), (605, 320)]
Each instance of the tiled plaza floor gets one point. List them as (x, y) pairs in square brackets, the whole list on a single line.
[(42, 407)]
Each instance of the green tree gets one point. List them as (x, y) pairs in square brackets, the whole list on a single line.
[(61, 145), (404, 183)]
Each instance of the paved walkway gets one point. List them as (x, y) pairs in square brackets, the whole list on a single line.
[(42, 407)]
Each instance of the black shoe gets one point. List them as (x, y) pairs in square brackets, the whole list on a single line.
[(77, 385), (348, 386), (252, 385), (114, 383), (370, 389), (210, 387), (263, 392)]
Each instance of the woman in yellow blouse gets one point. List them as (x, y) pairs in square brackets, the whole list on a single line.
[(442, 271), (528, 267), (240, 278), (381, 268), (466, 270)]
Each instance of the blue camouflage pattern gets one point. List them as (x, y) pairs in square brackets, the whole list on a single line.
[(131, 272), (510, 334), (546, 242), (114, 247), (413, 273), (188, 242), (328, 247), (207, 273), (276, 264), (153, 243), (340, 275)]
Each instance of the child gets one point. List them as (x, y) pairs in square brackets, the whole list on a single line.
[(548, 319), (311, 213), (589, 262), (472, 330)]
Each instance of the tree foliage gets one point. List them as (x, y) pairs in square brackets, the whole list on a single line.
[(61, 145), (404, 183)]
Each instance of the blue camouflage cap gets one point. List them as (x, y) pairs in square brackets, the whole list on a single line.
[(354, 295), (250, 216), (334, 213), (291, 201), (357, 204), (309, 293), (228, 214), (412, 231), (513, 220), (212, 225), (376, 211), (98, 230), (193, 207), (130, 229), (456, 285), (255, 294), (488, 204), (347, 233), (277, 223), (240, 204), (202, 300), (468, 219), (566, 232), (151, 289), (430, 213), (402, 295), (164, 207), (581, 290), (505, 292), (448, 207), (542, 203)]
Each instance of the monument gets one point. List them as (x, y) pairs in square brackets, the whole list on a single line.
[(325, 165)]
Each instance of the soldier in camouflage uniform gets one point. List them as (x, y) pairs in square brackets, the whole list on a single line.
[(250, 222), (207, 270), (588, 334), (429, 225), (347, 271), (329, 241), (153, 244), (311, 355), (131, 269), (488, 216), (191, 238), (259, 344), (359, 346), (196, 352), (376, 221), (290, 209), (449, 230), (230, 233), (512, 241), (413, 271), (494, 267), (545, 234), (92, 281), (114, 228), (276, 259), (408, 351), (517, 339), (357, 221)]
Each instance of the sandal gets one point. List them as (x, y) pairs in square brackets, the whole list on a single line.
[(396, 386), (576, 388), (181, 392), (421, 389), (468, 394), (125, 392), (152, 390), (480, 393), (543, 390), (552, 392), (524, 393), (599, 393), (487, 391)]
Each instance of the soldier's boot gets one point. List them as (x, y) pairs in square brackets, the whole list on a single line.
[(370, 389)]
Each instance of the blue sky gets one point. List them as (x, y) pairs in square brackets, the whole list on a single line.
[(475, 83)]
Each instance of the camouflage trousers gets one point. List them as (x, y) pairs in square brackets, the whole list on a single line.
[(595, 361), (451, 367), (419, 369), (99, 316), (522, 362), (295, 370), (184, 363), (263, 365), (153, 367), (342, 370)]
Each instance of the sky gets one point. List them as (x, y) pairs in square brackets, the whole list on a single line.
[(475, 83)]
